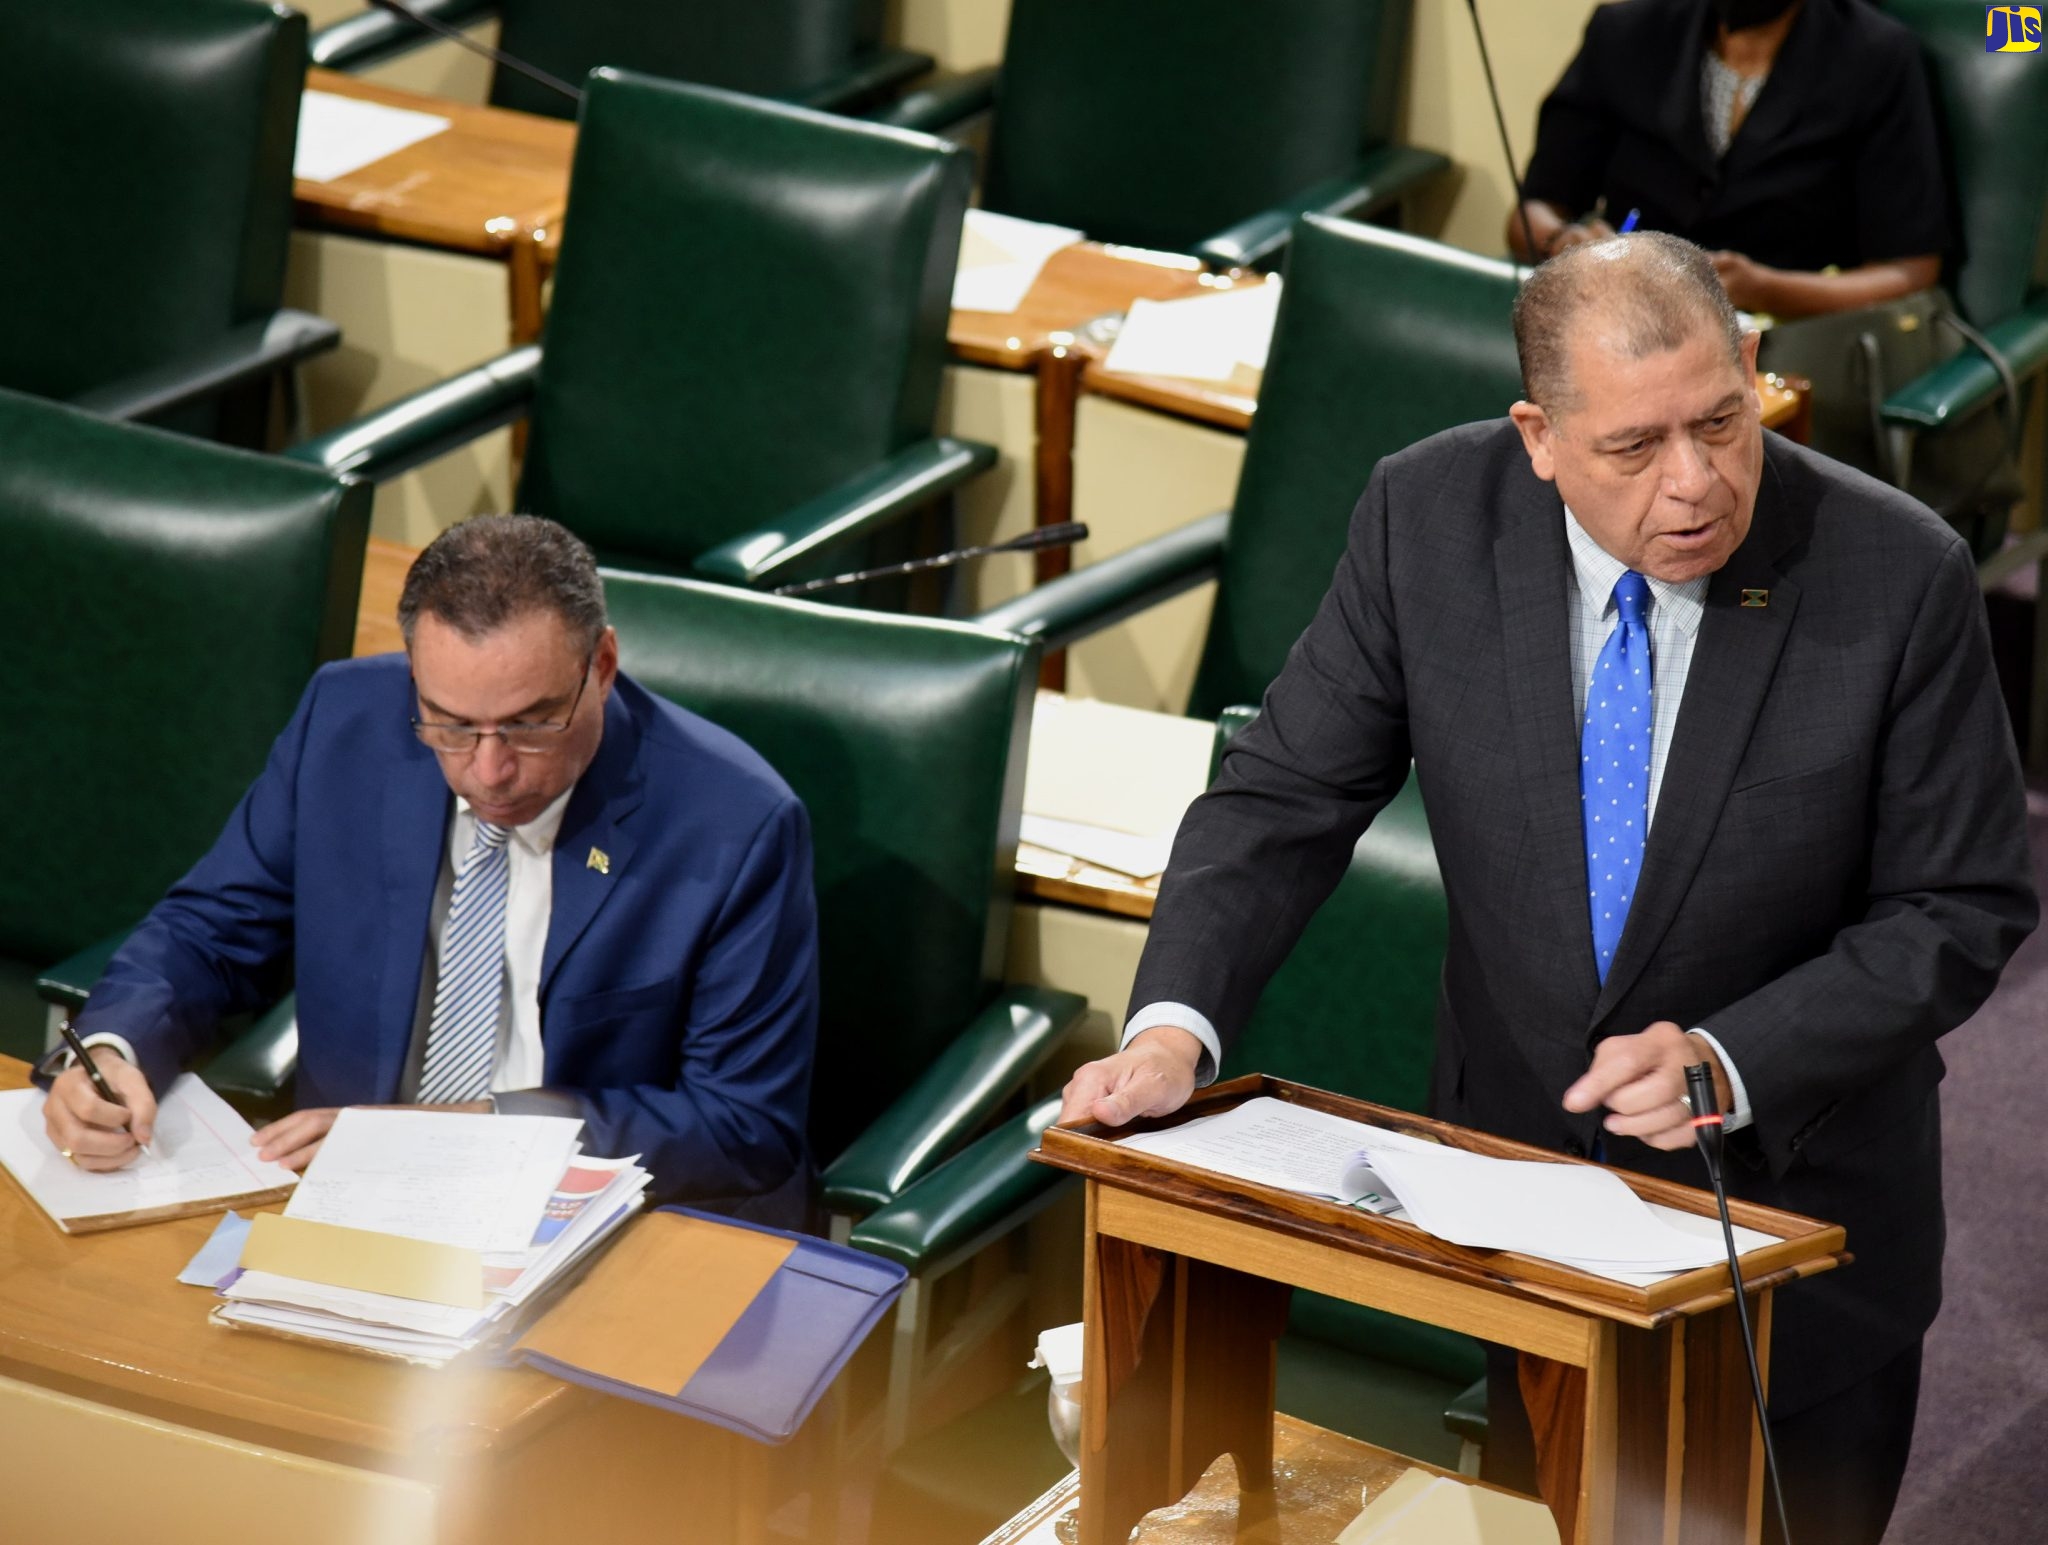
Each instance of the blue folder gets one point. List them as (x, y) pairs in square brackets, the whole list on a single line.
[(784, 1351)]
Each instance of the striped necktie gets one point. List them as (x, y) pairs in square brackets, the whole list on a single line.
[(1614, 768), (462, 1036)]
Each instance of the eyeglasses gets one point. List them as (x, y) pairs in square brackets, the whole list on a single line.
[(527, 739)]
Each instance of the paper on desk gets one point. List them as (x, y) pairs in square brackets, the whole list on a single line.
[(1278, 1144), (216, 1260), (478, 1182), (1204, 337), (1100, 764), (1001, 258), (373, 1263), (202, 1154), (1425, 1509), (339, 135), (1139, 857)]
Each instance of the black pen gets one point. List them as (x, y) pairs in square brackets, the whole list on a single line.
[(99, 1079)]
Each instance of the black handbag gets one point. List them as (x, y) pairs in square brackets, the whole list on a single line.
[(1968, 473)]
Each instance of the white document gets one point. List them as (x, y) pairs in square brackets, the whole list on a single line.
[(1425, 1509), (1204, 337), (1278, 1144), (1126, 769), (339, 135), (480, 1182), (203, 1154), (1001, 258), (1139, 857)]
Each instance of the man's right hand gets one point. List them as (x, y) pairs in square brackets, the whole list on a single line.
[(96, 1135), (1153, 1076)]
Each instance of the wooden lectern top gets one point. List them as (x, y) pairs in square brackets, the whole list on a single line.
[(1803, 1247)]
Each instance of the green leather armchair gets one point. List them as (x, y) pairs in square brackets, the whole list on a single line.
[(1992, 108), (825, 54), (167, 601), (150, 186), (1348, 381), (742, 359), (1203, 126), (906, 739)]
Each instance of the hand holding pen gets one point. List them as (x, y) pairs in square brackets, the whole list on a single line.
[(99, 1116)]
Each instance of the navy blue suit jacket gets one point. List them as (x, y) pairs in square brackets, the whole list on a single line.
[(678, 990)]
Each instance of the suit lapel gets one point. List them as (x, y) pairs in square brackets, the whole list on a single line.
[(1531, 562), (595, 842), (1682, 118), (417, 809), (1733, 662), (1799, 70)]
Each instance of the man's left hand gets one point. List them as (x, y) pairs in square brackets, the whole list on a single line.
[(293, 1140), (1641, 1080)]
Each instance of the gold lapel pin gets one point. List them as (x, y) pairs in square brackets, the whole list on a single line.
[(1756, 598), (601, 861)]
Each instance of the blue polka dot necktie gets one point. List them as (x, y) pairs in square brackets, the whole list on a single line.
[(1614, 768)]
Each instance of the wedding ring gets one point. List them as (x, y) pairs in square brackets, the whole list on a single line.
[(66, 1152)]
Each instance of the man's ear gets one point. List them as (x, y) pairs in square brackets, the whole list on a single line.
[(1536, 430), (1751, 339), (605, 661)]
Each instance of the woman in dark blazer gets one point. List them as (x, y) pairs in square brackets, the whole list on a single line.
[(1794, 139)]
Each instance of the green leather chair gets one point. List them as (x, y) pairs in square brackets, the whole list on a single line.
[(1992, 108), (149, 182), (905, 738), (825, 54), (166, 602), (1203, 126), (1349, 380), (742, 359)]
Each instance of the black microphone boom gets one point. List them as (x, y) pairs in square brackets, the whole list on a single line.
[(1065, 534), (1507, 149), (1707, 1131), (456, 35)]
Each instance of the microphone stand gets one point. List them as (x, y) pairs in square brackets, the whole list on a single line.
[(456, 35), (1065, 534)]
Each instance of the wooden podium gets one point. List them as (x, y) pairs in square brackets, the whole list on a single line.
[(1639, 1397)]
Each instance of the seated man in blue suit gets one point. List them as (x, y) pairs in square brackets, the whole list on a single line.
[(503, 877)]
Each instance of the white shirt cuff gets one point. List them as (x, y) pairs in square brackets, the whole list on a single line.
[(1181, 1017), (1740, 1116), (103, 1038)]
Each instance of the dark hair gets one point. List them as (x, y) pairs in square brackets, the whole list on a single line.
[(1646, 293), (480, 574)]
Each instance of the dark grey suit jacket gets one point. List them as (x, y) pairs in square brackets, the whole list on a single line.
[(1836, 870)]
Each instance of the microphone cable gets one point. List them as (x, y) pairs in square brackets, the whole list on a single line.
[(456, 35), (1707, 1131)]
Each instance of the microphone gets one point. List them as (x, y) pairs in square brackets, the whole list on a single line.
[(1709, 1130), (1500, 120), (1065, 534), (456, 35)]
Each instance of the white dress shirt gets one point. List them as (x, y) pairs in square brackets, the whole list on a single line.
[(1674, 619)]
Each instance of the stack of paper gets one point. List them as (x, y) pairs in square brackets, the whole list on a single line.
[(1001, 257), (1577, 1215), (1425, 1509), (203, 1162), (339, 135), (1108, 785), (416, 1233), (1222, 337)]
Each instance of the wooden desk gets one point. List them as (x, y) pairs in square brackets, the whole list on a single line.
[(109, 1367), (1321, 1479), (493, 184)]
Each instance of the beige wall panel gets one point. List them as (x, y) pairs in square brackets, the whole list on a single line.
[(1447, 108), (80, 1471), (1138, 474), (1090, 953), (999, 408), (960, 34), (409, 317), (442, 68)]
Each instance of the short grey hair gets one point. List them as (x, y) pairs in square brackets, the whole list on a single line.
[(482, 573), (1650, 292)]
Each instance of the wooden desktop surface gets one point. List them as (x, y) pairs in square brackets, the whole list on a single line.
[(1321, 1481), (1076, 285), (104, 1316), (489, 178)]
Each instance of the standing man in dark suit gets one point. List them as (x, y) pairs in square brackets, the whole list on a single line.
[(1717, 771), (503, 876)]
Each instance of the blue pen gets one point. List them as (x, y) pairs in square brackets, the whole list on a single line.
[(1634, 215)]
